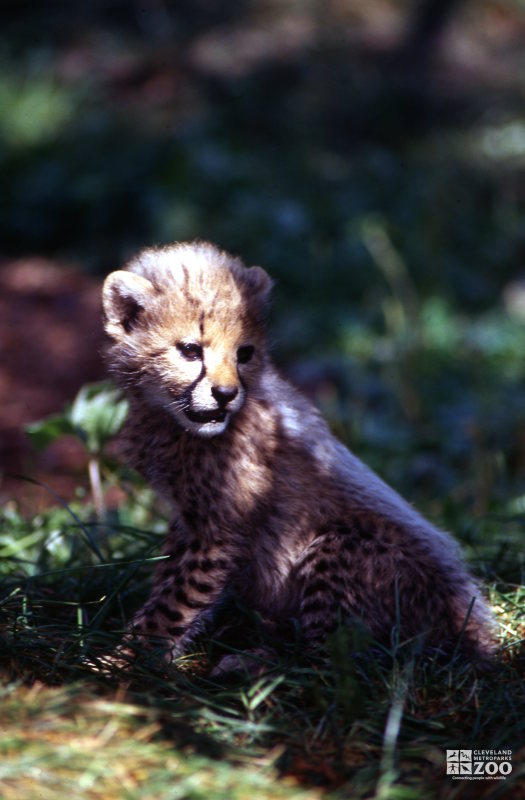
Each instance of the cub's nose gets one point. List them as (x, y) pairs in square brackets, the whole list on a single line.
[(224, 394)]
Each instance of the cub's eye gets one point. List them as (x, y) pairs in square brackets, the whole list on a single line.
[(245, 353), (191, 352)]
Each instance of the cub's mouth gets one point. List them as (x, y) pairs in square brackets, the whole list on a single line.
[(214, 415)]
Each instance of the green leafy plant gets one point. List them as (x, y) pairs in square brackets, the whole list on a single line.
[(95, 416)]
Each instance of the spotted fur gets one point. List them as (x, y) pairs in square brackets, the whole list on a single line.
[(266, 504)]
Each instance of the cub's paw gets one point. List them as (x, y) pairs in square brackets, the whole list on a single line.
[(111, 663), (247, 664)]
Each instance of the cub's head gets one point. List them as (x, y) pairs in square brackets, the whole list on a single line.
[(186, 324)]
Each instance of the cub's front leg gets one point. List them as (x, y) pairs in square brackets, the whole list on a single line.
[(186, 588)]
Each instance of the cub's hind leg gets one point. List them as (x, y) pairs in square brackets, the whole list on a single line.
[(368, 573), (329, 587)]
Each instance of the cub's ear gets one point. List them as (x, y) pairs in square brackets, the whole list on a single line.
[(259, 282), (124, 297)]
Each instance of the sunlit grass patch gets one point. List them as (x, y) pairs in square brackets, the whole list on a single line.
[(70, 743)]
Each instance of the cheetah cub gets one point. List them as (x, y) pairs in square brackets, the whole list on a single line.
[(267, 506)]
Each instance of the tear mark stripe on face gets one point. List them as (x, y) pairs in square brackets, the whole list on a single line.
[(202, 374)]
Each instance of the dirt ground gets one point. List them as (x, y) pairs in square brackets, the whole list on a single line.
[(50, 342)]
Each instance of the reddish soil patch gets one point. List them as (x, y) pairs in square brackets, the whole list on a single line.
[(51, 341)]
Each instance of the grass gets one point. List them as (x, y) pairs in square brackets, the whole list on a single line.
[(71, 742)]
